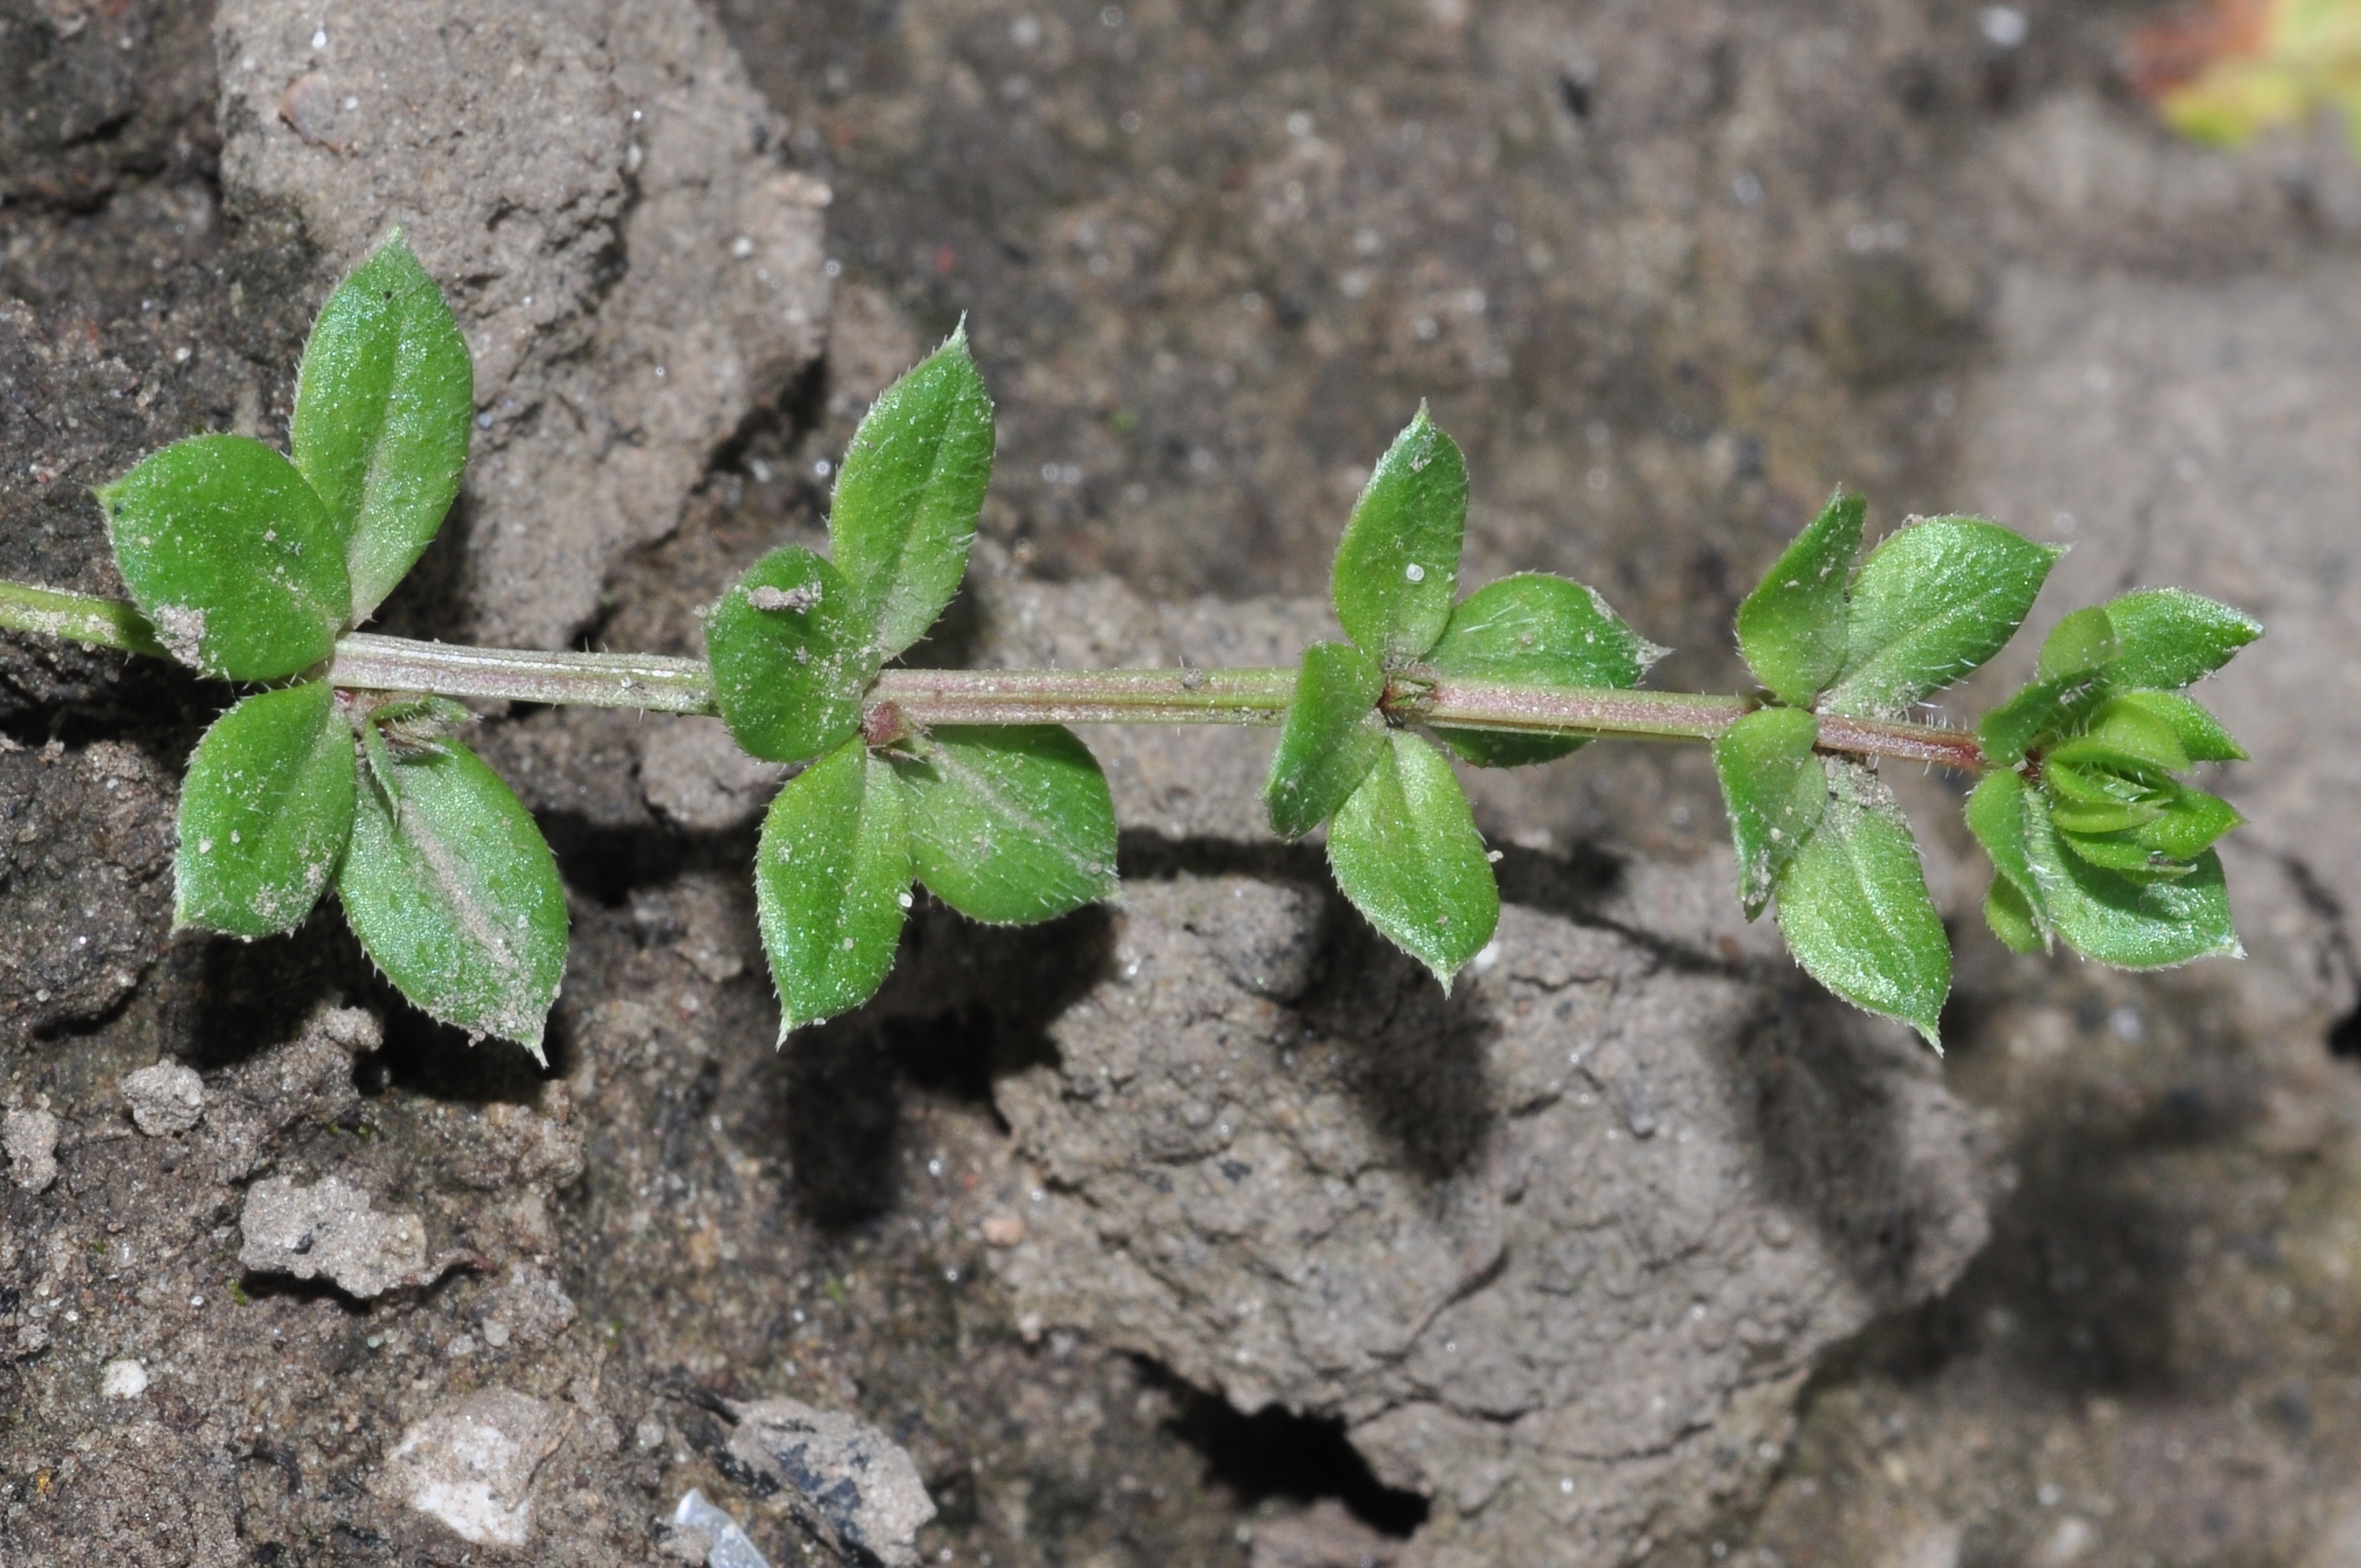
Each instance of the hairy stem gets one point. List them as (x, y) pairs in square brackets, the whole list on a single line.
[(907, 701)]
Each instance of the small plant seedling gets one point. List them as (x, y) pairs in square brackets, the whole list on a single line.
[(339, 766)]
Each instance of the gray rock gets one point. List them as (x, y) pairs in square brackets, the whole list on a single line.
[(1322, 1536), (470, 1466), (327, 1232), (845, 1480), (165, 1099), (527, 149), (29, 1137), (1442, 1220), (696, 776)]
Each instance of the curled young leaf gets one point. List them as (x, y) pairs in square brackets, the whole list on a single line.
[(2082, 644), (1854, 908), (1928, 606), (2130, 729), (2190, 822), (1010, 826), (832, 883), (383, 406), (1405, 851), (2010, 730), (1776, 789), (909, 492), (2200, 735), (1398, 564), (2170, 638), (265, 811), (2011, 919), (451, 888), (230, 556), (792, 656), (1539, 630), (1996, 816), (1331, 738), (1791, 629)]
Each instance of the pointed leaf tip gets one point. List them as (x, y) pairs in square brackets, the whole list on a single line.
[(1930, 605), (1775, 790), (229, 555), (1405, 851), (265, 813), (1330, 739), (909, 492), (1791, 629), (1397, 568), (384, 409), (452, 890), (831, 882), (1854, 907)]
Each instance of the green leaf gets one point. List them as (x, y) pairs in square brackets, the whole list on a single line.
[(265, 812), (230, 556), (2121, 852), (2074, 817), (1540, 629), (2191, 821), (2011, 919), (2170, 638), (382, 411), (1010, 826), (792, 656), (1405, 851), (1791, 629), (908, 497), (450, 887), (1997, 811), (1398, 564), (2129, 922), (1932, 603), (1776, 789), (2199, 734), (2132, 729), (832, 883), (2082, 644), (1854, 908), (1331, 739), (2094, 755), (2041, 708)]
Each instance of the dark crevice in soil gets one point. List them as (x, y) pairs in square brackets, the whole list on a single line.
[(248, 997), (609, 863), (1275, 1453), (2344, 1037), (968, 1004)]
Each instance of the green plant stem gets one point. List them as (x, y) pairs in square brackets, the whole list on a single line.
[(905, 700), (78, 618)]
